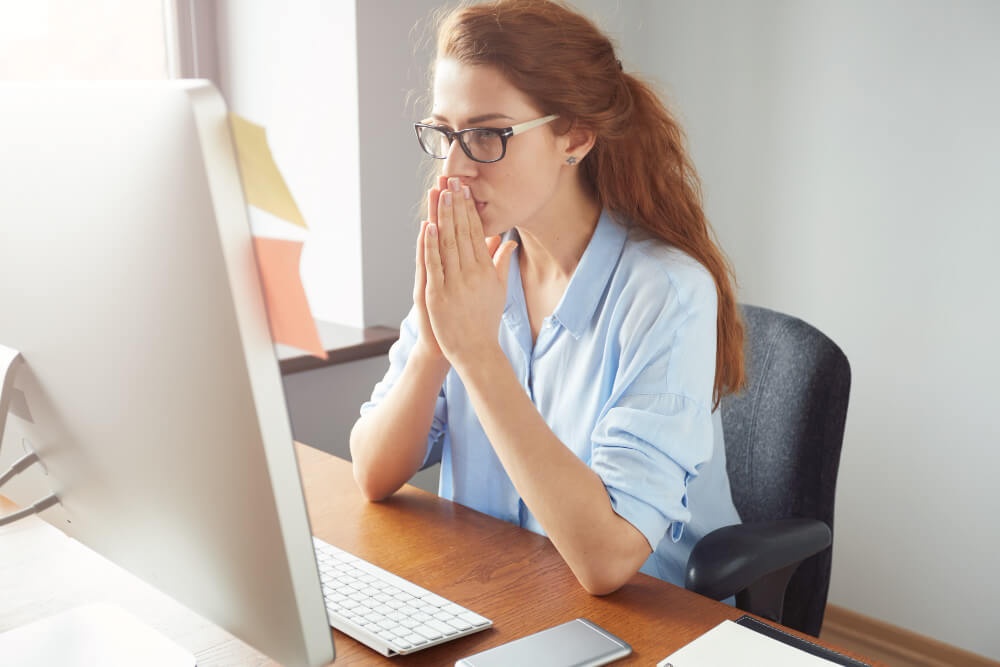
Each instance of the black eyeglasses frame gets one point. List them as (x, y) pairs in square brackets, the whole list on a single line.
[(504, 133)]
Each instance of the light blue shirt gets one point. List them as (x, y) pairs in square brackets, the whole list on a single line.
[(622, 372)]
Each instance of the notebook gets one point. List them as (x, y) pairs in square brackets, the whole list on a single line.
[(751, 643)]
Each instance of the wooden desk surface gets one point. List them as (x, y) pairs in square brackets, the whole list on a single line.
[(508, 574)]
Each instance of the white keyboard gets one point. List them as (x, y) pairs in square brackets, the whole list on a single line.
[(386, 612)]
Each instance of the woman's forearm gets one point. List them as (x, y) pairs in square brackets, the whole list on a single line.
[(567, 498), (389, 443)]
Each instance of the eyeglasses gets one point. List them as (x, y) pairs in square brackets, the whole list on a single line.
[(482, 144)]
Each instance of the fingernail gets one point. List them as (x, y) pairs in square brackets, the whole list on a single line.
[(454, 184), (432, 230), (466, 192), (447, 198)]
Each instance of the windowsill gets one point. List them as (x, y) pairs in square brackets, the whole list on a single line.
[(343, 344)]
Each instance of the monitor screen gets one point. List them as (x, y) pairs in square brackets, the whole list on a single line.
[(149, 387)]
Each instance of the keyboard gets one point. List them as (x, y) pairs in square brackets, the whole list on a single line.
[(384, 611)]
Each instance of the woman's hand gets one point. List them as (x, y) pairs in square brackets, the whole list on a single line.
[(425, 334), (464, 275)]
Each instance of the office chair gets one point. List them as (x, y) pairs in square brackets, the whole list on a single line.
[(783, 437)]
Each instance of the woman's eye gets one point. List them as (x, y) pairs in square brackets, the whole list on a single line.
[(482, 136)]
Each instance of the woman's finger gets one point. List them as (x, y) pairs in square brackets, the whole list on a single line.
[(480, 246), (501, 259), (492, 243), (461, 198), (420, 278), (445, 233), (420, 287), (432, 204), (433, 269)]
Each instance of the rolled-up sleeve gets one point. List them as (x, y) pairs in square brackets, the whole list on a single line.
[(399, 353), (646, 450), (657, 430)]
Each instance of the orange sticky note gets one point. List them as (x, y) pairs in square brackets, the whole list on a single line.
[(288, 312)]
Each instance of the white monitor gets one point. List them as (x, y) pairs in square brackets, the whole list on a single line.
[(149, 387)]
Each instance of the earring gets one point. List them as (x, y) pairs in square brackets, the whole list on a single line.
[(571, 160)]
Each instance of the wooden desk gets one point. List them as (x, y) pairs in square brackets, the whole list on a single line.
[(510, 575)]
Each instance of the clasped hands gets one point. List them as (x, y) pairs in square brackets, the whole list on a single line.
[(460, 287)]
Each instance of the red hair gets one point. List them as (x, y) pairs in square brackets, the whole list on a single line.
[(639, 168)]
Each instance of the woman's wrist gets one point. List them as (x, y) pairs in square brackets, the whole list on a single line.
[(427, 359), (481, 366)]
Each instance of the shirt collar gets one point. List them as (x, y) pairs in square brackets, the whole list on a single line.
[(589, 282), (590, 279)]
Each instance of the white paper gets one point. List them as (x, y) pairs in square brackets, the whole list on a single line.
[(94, 634), (732, 644)]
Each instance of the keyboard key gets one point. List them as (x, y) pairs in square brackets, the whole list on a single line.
[(435, 600), (443, 628), (475, 619), (459, 624)]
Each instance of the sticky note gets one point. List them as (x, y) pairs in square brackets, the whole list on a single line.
[(263, 184), (288, 313)]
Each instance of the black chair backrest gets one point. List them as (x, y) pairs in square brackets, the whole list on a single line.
[(783, 438)]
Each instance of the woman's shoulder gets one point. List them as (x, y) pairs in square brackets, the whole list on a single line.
[(664, 308), (656, 270)]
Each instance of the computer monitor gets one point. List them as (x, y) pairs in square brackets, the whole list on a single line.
[(150, 387)]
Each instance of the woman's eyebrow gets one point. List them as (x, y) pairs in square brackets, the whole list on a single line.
[(476, 119)]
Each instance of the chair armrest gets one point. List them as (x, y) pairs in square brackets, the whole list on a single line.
[(732, 558)]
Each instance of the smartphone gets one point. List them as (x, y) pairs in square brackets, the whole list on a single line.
[(578, 643)]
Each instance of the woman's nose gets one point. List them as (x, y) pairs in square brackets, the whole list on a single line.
[(457, 163)]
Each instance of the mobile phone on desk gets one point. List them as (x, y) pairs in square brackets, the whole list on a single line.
[(578, 643)]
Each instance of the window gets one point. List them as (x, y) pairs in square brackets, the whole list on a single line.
[(69, 39)]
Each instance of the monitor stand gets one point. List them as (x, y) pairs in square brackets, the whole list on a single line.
[(93, 634)]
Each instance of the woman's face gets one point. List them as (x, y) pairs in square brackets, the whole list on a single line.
[(518, 190)]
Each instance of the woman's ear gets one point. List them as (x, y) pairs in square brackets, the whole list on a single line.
[(578, 143)]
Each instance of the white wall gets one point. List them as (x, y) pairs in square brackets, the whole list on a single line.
[(850, 154), (395, 46)]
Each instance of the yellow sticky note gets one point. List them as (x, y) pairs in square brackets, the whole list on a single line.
[(288, 312), (263, 184)]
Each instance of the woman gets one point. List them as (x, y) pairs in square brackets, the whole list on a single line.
[(567, 218)]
